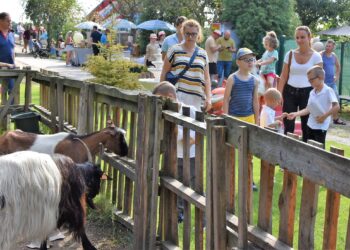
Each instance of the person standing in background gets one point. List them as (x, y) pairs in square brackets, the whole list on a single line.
[(225, 55), (331, 67), (95, 39), (212, 49), (7, 47), (173, 39), (161, 37)]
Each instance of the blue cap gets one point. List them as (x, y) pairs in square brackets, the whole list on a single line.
[(244, 51)]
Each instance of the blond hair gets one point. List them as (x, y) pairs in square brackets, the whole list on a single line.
[(317, 71), (193, 23), (272, 39), (165, 89), (272, 94)]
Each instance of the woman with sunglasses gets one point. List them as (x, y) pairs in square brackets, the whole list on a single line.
[(193, 86), (294, 84)]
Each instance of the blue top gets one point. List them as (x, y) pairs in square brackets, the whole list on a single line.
[(241, 102), (329, 67), (7, 48), (104, 40), (169, 41)]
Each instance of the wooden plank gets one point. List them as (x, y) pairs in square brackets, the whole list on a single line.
[(267, 173), (198, 187), (60, 105), (28, 91), (186, 181), (308, 211), (243, 188), (123, 219), (335, 173), (90, 109), (187, 122), (11, 96), (331, 214), (114, 185), (219, 187), (158, 128), (230, 163), (128, 95), (53, 105), (183, 191), (260, 238), (83, 110), (347, 240), (124, 104), (170, 169), (211, 121)]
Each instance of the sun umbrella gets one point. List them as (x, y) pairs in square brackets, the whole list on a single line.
[(124, 24), (88, 25), (156, 25)]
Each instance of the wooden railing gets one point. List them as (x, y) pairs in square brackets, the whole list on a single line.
[(146, 184)]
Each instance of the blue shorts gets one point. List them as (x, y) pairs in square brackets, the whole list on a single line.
[(333, 86)]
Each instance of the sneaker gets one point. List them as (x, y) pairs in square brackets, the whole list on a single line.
[(68, 65), (338, 122), (255, 188), (180, 217)]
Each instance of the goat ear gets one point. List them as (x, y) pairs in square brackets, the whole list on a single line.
[(109, 122), (105, 177)]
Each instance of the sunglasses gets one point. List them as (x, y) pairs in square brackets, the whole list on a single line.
[(248, 60), (311, 79), (188, 34)]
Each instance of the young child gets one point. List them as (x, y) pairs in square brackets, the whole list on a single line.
[(322, 104), (269, 59), (166, 89), (268, 116), (241, 92)]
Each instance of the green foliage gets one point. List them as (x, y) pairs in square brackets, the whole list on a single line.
[(53, 14), (110, 68), (256, 17), (327, 12)]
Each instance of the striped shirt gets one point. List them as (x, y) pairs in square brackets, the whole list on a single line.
[(241, 102), (190, 87)]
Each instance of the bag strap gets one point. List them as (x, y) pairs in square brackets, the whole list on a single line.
[(189, 63)]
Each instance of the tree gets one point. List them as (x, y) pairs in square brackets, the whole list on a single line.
[(251, 19), (329, 12), (51, 14)]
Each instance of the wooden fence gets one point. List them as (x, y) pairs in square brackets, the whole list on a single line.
[(146, 185)]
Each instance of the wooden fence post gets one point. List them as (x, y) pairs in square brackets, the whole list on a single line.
[(286, 204), (147, 137), (60, 104), (219, 187), (331, 214), (308, 210), (83, 110), (243, 189), (28, 90), (53, 104), (169, 227), (211, 121)]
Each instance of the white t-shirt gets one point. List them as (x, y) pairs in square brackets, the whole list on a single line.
[(318, 104), (267, 116), (180, 135), (298, 72), (210, 43)]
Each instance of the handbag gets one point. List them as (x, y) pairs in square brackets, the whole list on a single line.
[(172, 78)]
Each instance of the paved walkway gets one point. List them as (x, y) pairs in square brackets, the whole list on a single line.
[(55, 65)]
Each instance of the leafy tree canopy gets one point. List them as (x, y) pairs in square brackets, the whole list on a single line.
[(330, 13), (251, 19)]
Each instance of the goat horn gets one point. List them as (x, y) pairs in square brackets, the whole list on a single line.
[(87, 149)]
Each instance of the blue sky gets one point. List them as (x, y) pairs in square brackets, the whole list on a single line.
[(14, 7)]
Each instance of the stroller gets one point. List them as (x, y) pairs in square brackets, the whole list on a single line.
[(39, 51)]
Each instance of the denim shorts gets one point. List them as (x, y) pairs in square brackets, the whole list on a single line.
[(333, 86)]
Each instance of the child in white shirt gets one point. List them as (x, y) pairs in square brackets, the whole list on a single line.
[(322, 104), (268, 118)]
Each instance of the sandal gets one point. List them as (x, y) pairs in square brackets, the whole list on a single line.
[(339, 122)]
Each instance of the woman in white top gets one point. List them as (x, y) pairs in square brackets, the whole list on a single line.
[(294, 83)]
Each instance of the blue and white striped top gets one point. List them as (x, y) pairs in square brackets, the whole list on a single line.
[(241, 102), (190, 87)]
